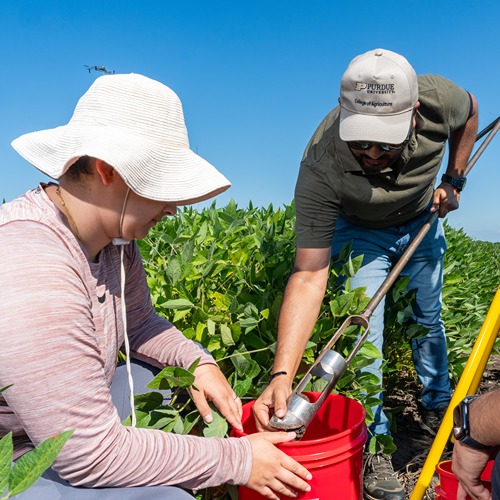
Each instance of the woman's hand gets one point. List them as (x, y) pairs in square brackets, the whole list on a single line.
[(273, 471), (213, 386)]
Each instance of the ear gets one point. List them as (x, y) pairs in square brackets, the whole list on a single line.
[(415, 109), (105, 171)]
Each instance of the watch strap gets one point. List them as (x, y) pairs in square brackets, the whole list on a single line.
[(457, 183), (472, 443)]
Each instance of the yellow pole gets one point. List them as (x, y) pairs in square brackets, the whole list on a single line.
[(468, 384)]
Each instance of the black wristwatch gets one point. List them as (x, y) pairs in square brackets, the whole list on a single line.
[(461, 424), (458, 184)]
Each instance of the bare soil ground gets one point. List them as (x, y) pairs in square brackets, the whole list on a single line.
[(413, 443)]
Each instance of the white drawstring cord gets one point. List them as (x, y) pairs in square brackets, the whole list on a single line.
[(121, 242), (125, 337)]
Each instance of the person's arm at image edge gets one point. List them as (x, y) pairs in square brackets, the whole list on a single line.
[(468, 463)]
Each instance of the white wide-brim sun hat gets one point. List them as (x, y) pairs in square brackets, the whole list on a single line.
[(136, 125)]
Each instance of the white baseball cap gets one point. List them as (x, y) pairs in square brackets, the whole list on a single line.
[(378, 93)]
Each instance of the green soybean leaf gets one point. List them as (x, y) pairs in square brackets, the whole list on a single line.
[(227, 338), (143, 419), (372, 445), (211, 327), (340, 305), (177, 304), (179, 314), (172, 376), (6, 450), (346, 250), (387, 443), (242, 387), (214, 343), (217, 428), (178, 427), (356, 264), (194, 365), (190, 421), (245, 365), (163, 418), (33, 464), (148, 401), (368, 349), (174, 270)]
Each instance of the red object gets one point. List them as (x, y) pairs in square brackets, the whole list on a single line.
[(331, 449), (448, 482)]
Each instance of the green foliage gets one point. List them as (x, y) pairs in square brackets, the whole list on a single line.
[(471, 279), (219, 276)]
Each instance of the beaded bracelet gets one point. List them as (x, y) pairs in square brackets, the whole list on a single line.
[(277, 374)]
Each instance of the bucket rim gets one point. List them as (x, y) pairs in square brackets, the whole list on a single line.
[(307, 442), (444, 470)]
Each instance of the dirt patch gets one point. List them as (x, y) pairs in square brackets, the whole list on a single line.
[(413, 443)]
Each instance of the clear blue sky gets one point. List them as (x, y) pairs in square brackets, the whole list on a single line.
[(255, 77)]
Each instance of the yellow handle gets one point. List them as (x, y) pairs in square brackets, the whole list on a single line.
[(468, 384)]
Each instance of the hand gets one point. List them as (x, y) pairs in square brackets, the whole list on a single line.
[(272, 401), (213, 386), (274, 471), (467, 465), (446, 199)]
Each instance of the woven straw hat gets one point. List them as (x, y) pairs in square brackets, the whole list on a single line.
[(136, 125)]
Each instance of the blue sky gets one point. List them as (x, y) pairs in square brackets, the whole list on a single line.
[(255, 77)]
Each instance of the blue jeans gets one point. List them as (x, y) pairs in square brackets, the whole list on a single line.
[(381, 248)]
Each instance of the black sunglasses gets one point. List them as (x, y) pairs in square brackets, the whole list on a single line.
[(365, 145)]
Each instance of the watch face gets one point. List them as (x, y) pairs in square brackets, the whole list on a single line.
[(458, 422), (461, 427)]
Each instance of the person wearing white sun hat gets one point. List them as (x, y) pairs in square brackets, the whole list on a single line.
[(367, 179), (74, 291)]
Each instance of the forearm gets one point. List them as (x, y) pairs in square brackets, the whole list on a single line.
[(461, 143), (131, 457), (299, 312), (161, 344), (484, 424)]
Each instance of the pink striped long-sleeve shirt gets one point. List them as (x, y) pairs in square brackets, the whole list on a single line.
[(60, 331)]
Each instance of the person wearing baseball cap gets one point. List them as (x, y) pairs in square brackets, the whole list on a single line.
[(74, 292), (368, 179)]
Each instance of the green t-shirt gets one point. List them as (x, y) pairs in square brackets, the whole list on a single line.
[(332, 183)]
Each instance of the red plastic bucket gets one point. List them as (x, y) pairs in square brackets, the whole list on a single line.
[(331, 449), (448, 482)]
